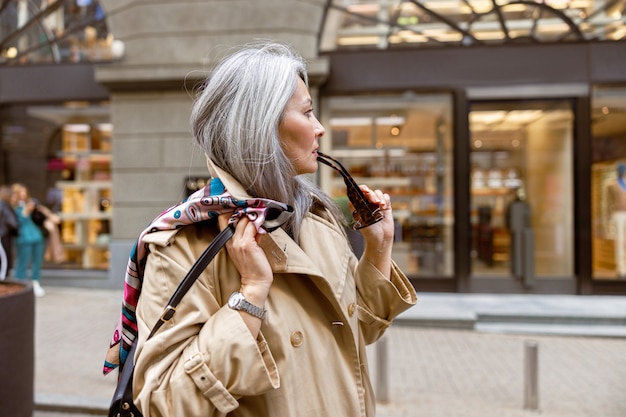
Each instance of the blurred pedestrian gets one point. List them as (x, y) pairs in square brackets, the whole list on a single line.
[(30, 243), (8, 230)]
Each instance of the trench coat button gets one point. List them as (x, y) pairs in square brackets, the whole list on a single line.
[(351, 309), (296, 339)]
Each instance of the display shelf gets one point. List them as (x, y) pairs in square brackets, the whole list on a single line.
[(91, 185), (85, 216), (368, 153), (382, 182), (84, 184), (86, 189), (410, 177), (92, 155), (492, 192)]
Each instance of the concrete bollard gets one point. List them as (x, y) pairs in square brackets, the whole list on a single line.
[(382, 372), (531, 375)]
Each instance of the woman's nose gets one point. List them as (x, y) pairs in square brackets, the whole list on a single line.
[(319, 129)]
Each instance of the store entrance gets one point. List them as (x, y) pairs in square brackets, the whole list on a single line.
[(522, 211)]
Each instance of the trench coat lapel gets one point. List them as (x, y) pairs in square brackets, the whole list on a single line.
[(318, 237)]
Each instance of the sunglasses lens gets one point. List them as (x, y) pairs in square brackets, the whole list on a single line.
[(272, 213), (276, 216), (367, 215)]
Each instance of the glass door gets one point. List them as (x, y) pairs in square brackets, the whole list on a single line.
[(521, 161)]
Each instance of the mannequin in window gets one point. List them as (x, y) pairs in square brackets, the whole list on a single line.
[(616, 206), (522, 240)]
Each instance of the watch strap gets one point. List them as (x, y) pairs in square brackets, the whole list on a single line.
[(245, 305), (250, 308)]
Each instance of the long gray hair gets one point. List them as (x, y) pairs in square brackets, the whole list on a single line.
[(235, 120)]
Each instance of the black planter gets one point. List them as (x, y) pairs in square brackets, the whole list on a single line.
[(17, 349)]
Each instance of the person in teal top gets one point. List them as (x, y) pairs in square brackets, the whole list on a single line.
[(30, 243)]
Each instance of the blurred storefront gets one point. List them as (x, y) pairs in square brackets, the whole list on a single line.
[(56, 128), (498, 127)]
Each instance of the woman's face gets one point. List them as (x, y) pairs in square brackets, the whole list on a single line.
[(20, 193), (300, 131)]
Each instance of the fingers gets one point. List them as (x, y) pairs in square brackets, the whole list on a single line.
[(377, 196), (248, 257), (244, 229)]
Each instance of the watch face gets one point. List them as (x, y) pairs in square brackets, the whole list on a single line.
[(235, 299)]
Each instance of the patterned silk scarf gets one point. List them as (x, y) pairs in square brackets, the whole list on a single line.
[(204, 204)]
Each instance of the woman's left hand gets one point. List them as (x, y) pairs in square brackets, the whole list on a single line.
[(384, 229), (379, 236)]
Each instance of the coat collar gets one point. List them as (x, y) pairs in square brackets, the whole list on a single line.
[(323, 252), (230, 183)]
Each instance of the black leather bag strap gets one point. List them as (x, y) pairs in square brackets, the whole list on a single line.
[(122, 404)]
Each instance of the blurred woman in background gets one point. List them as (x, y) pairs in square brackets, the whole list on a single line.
[(30, 243), (8, 229)]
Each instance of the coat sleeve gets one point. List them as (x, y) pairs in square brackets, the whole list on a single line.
[(204, 359), (380, 300)]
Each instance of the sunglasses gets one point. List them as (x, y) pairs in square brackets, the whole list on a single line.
[(365, 212)]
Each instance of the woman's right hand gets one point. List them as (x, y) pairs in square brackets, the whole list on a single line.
[(249, 259)]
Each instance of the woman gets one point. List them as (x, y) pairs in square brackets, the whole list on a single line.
[(30, 243), (8, 230), (296, 347)]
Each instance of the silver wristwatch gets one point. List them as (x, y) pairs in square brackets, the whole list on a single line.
[(238, 302)]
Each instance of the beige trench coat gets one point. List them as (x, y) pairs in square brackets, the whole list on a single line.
[(309, 359)]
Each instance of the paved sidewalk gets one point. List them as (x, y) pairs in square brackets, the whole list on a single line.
[(456, 373), (72, 332), (442, 358)]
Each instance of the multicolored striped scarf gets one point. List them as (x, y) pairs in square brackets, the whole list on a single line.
[(205, 204)]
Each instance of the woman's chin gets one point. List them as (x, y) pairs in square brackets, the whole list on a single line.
[(308, 170)]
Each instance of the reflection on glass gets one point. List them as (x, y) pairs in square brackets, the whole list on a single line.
[(50, 31), (521, 190), (608, 183), (402, 145), (389, 23)]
